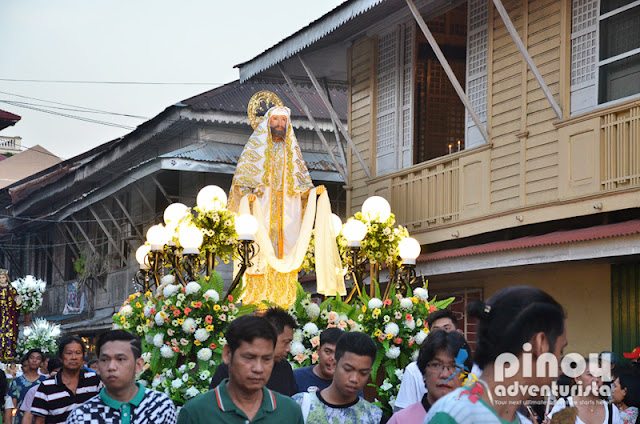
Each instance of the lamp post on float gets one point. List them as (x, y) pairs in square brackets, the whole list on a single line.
[(355, 231), (157, 237), (211, 198), (190, 239), (142, 276), (246, 227), (375, 209), (409, 250)]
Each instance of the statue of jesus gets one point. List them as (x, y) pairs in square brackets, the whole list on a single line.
[(273, 177)]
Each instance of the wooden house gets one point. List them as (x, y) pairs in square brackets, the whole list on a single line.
[(506, 136)]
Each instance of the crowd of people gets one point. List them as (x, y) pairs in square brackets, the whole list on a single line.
[(447, 384)]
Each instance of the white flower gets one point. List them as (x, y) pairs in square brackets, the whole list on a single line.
[(213, 295), (375, 303), (189, 325), (126, 311), (185, 377), (166, 351), (313, 311), (297, 336), (421, 293), (409, 324), (149, 338), (146, 357), (406, 304), (177, 383), (170, 289), (201, 334), (182, 368), (181, 297), (167, 279), (296, 348), (399, 373), (191, 392), (393, 352), (420, 337), (147, 311), (204, 354), (310, 328), (392, 328), (159, 319), (386, 385), (192, 288), (157, 381), (414, 355), (158, 340), (27, 331)]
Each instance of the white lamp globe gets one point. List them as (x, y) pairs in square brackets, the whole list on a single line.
[(337, 224), (211, 198), (190, 239), (157, 237), (141, 255), (354, 231), (174, 213), (376, 208), (246, 226), (409, 250)]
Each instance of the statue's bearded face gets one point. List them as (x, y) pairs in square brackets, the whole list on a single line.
[(278, 126)]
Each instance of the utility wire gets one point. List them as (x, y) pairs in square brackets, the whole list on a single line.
[(66, 115), (110, 82), (74, 109)]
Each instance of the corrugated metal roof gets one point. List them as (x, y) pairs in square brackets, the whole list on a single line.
[(559, 237), (306, 36), (234, 97), (230, 153)]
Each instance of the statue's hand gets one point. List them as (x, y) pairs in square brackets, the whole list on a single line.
[(252, 197), (259, 190), (320, 189), (18, 301)]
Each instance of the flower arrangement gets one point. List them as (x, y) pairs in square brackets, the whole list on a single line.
[(31, 290), (397, 325), (182, 327), (380, 245), (218, 227), (40, 334)]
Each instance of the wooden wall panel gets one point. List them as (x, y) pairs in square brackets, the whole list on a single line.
[(361, 117)]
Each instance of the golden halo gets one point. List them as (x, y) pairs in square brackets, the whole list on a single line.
[(255, 106)]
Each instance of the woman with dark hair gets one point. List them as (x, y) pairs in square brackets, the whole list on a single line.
[(587, 403), (516, 321), (444, 358), (626, 395)]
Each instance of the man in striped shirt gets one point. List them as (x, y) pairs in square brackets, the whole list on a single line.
[(59, 395)]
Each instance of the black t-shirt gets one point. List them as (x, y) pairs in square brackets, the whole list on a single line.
[(281, 381)]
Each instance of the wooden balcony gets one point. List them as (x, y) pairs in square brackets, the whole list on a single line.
[(594, 158)]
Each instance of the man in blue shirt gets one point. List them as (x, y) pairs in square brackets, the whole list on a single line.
[(319, 376)]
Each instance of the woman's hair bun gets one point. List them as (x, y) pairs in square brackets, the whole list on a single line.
[(479, 310)]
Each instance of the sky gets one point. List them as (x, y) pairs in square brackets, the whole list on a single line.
[(192, 41)]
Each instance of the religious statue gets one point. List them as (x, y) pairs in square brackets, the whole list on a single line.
[(10, 304), (272, 183)]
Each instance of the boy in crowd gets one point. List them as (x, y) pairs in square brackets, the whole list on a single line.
[(122, 400), (23, 383), (242, 397), (340, 403), (282, 380), (319, 376), (54, 365)]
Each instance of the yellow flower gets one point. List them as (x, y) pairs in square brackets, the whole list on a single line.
[(148, 293), (216, 307), (209, 328), (376, 312), (426, 330), (138, 305), (377, 333), (389, 336), (180, 321), (364, 308), (133, 296), (197, 343), (414, 299), (122, 320)]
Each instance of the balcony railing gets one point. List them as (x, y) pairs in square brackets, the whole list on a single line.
[(427, 195), (620, 144)]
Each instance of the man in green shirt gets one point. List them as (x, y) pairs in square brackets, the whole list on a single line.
[(242, 398)]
